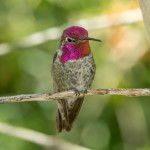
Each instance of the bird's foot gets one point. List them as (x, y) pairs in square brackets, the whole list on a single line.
[(79, 92)]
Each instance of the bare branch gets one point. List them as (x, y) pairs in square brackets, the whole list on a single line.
[(96, 22), (66, 94), (38, 138), (145, 8)]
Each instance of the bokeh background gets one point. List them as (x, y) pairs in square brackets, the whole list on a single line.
[(29, 35)]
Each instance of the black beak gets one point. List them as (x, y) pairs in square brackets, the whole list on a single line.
[(92, 39)]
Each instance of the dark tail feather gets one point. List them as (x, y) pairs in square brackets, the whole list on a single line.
[(62, 124), (75, 110), (59, 121), (70, 116)]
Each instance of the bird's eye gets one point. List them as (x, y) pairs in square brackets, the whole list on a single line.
[(70, 40)]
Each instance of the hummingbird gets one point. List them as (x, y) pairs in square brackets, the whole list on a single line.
[(73, 68)]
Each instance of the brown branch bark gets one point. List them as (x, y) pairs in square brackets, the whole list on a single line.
[(66, 94)]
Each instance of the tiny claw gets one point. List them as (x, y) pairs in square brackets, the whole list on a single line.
[(78, 93), (85, 91)]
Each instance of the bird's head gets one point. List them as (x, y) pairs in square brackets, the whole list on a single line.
[(75, 43)]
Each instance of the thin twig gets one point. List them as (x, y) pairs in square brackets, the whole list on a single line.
[(67, 94), (38, 138)]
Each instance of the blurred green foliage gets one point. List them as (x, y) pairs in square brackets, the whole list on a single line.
[(105, 122)]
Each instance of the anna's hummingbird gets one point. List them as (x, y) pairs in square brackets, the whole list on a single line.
[(73, 68)]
